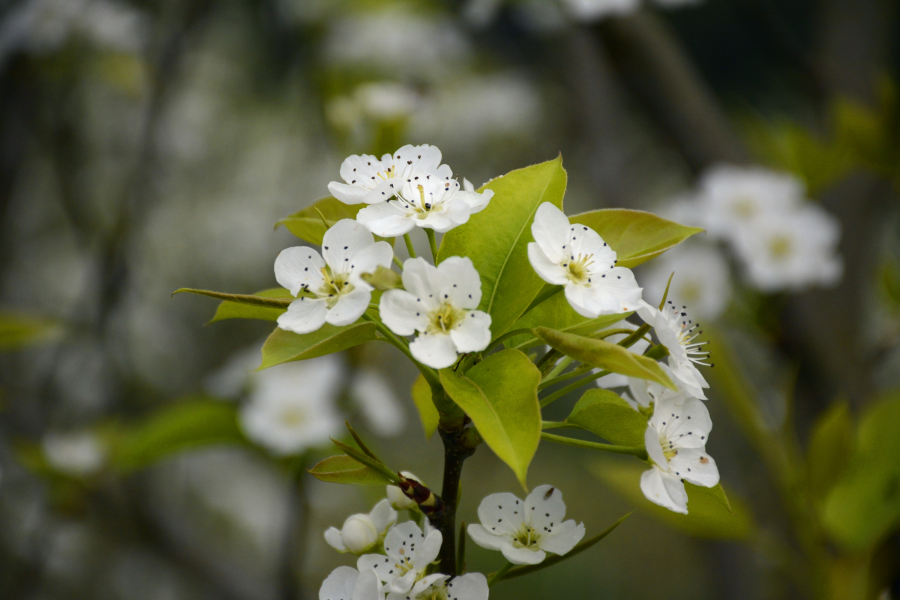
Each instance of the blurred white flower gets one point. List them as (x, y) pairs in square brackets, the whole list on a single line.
[(593, 10), (293, 408), (346, 583), (525, 531), (339, 296), (360, 533), (676, 443), (397, 498), (409, 553), (74, 453), (378, 402), (386, 100), (791, 251), (701, 278), (576, 257), (676, 332)]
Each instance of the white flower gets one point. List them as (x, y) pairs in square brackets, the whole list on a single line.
[(676, 332), (346, 583), (614, 380), (645, 392), (337, 293), (594, 10), (676, 443), (471, 586), (792, 251), (397, 498), (438, 302), (75, 453), (701, 279), (373, 394), (371, 181), (731, 197), (293, 407), (361, 533), (525, 531), (423, 202), (576, 257), (409, 552)]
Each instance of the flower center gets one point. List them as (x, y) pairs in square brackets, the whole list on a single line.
[(780, 247), (744, 207), (334, 286), (684, 331), (434, 594), (445, 318), (526, 536), (578, 269), (667, 447), (292, 416)]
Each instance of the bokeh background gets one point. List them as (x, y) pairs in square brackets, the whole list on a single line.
[(147, 146)]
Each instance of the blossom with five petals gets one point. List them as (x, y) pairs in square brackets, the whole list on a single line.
[(361, 533), (676, 332), (409, 552), (524, 531), (346, 583), (333, 291)]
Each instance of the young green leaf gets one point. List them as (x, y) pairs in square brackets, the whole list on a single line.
[(635, 235), (556, 313), (830, 449), (283, 346), (311, 223), (19, 330), (238, 310), (604, 413), (496, 239), (343, 469), (428, 414), (604, 355), (500, 396)]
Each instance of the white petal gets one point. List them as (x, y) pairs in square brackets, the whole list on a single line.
[(368, 260), (344, 240), (402, 584), (664, 490), (333, 538), (383, 516), (349, 308), (298, 267), (688, 376), (384, 190), (583, 300), (404, 537), (356, 167), (476, 202), (474, 333), (654, 450), (523, 556), (452, 214), (402, 312), (501, 513), (616, 291), (385, 219), (384, 566), (304, 315), (484, 538), (422, 585), (584, 241), (462, 281), (551, 231), (549, 271), (427, 552), (696, 466), (691, 427), (471, 586), (544, 508), (346, 193), (434, 350), (367, 587), (339, 584), (423, 280), (565, 536)]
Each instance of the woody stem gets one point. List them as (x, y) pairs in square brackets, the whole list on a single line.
[(456, 450)]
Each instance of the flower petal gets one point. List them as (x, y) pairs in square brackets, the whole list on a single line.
[(368, 260), (462, 283), (347, 193), (544, 508), (691, 425), (696, 466), (304, 315), (501, 513), (616, 290), (401, 541), (476, 202), (402, 312), (383, 516), (436, 350), (564, 537), (471, 586), (551, 231), (664, 490), (299, 267), (484, 538), (367, 587), (428, 551), (654, 450), (423, 280), (349, 308), (523, 556), (339, 584), (386, 219), (333, 538), (474, 333), (384, 566), (343, 241), (584, 241), (548, 270)]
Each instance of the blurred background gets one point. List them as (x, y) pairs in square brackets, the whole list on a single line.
[(147, 146)]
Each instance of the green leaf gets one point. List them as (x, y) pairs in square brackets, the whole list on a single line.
[(428, 414), (496, 239), (709, 515), (500, 396), (192, 423), (239, 310), (284, 346), (635, 235), (865, 504), (830, 449), (19, 330), (604, 413), (343, 469), (604, 355), (311, 223)]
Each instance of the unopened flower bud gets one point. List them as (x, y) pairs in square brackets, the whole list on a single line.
[(359, 534), (397, 498), (383, 279)]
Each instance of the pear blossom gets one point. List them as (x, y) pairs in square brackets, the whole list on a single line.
[(791, 251), (77, 453), (439, 303), (435, 204), (377, 401), (371, 181), (295, 410), (524, 531), (576, 257), (397, 498), (333, 290), (471, 586), (676, 438), (676, 332), (409, 552), (361, 533), (702, 278), (346, 583)]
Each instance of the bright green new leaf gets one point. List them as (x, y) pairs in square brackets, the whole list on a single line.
[(556, 313), (311, 223), (428, 414), (192, 423), (496, 239), (635, 235), (708, 514), (500, 396), (865, 504), (343, 469), (830, 449), (604, 355), (604, 413), (283, 346), (19, 330), (238, 310)]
